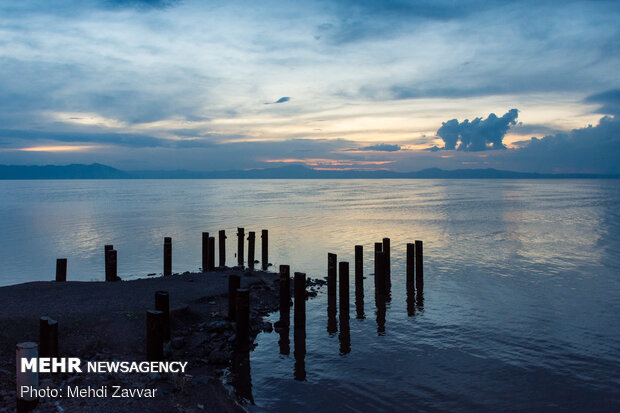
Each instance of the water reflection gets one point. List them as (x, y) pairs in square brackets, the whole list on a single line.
[(299, 338), (419, 300), (359, 303), (332, 324), (345, 335), (284, 342), (380, 304)]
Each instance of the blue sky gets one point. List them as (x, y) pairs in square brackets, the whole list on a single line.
[(401, 85)]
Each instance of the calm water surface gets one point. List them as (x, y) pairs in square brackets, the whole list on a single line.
[(521, 305)]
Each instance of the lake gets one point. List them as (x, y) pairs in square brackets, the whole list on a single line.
[(521, 306)]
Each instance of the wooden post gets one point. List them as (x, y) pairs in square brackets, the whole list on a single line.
[(388, 271), (222, 247), (240, 241), (251, 242), (285, 295), (359, 281), (205, 251), (419, 270), (234, 283), (162, 303), (378, 249), (111, 266), (332, 268), (48, 337), (380, 273), (331, 274), (52, 334), (61, 269), (44, 342), (154, 335), (28, 402), (300, 300), (167, 256), (108, 269), (110, 263), (242, 317), (410, 269), (265, 249), (343, 284), (211, 263)]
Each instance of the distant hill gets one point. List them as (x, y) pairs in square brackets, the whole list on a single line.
[(98, 171), (73, 171)]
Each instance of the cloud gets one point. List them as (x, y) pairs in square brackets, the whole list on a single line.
[(382, 147), (281, 100), (609, 101), (590, 149), (479, 134), (133, 140)]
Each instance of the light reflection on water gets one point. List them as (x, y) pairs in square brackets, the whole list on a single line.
[(521, 292)]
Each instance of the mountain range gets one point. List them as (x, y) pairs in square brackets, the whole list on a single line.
[(98, 171)]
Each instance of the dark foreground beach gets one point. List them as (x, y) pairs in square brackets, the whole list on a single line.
[(107, 321)]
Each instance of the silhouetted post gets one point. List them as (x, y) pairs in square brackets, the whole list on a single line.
[(410, 269), (300, 300), (205, 251), (285, 295), (344, 287), (240, 241), (242, 316), (332, 267), (111, 266), (28, 402), (167, 256), (48, 337), (331, 274), (52, 333), (378, 248), (211, 263), (234, 283), (44, 342), (388, 271), (61, 269), (251, 242), (154, 335), (107, 249), (359, 281), (343, 283), (265, 249), (380, 273), (222, 246), (419, 270), (241, 375), (162, 303)]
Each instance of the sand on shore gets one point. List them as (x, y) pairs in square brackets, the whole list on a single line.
[(107, 321)]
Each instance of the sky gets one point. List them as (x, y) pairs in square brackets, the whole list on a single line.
[(400, 85)]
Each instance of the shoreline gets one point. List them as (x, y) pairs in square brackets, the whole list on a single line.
[(106, 321)]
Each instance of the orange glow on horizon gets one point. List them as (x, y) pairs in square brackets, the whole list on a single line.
[(327, 162), (58, 148)]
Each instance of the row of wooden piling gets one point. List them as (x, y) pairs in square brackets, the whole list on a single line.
[(208, 255)]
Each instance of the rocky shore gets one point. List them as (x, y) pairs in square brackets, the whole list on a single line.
[(106, 321)]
